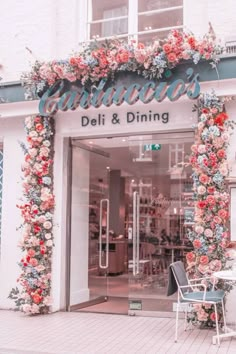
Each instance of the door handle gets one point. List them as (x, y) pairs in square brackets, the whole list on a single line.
[(102, 202), (136, 230)]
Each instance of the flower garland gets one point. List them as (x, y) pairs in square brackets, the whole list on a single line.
[(37, 212), (210, 235), (89, 66), (104, 59)]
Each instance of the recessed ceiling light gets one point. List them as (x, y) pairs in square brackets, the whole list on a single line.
[(91, 142), (123, 139), (108, 168)]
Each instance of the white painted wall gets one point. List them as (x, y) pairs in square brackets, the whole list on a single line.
[(52, 29)]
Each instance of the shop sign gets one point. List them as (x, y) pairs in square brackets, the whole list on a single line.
[(101, 119), (57, 98)]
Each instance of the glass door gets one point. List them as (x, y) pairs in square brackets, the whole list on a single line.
[(89, 261), (160, 198)]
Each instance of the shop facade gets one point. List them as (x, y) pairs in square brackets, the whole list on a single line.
[(120, 178), (121, 183)]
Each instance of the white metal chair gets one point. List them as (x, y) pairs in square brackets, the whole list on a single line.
[(188, 292)]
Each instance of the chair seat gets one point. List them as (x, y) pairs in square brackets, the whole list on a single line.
[(212, 296)]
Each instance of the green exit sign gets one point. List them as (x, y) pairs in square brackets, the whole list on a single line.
[(152, 147)]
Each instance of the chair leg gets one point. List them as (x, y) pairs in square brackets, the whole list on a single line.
[(223, 311), (176, 322), (185, 319), (217, 325)]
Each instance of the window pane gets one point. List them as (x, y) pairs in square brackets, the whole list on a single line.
[(107, 29), (151, 5), (149, 38), (105, 11), (108, 9), (160, 20)]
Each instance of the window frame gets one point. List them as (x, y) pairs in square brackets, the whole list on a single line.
[(133, 20)]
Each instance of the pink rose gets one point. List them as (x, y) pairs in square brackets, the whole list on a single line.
[(215, 265), (208, 233), (31, 252), (199, 229), (204, 260), (201, 149), (47, 225), (33, 262), (197, 243)]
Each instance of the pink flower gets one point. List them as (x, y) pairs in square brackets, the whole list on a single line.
[(190, 256), (204, 178), (202, 315), (197, 243), (215, 265), (199, 229), (31, 252), (204, 260), (33, 262), (47, 225), (167, 48), (208, 233), (171, 57), (201, 190), (201, 149)]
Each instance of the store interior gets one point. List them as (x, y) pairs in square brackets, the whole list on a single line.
[(139, 209)]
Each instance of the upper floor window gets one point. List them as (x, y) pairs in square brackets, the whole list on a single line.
[(157, 17), (143, 20), (108, 19)]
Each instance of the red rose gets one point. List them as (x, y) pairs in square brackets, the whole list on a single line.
[(220, 154), (171, 57), (192, 42), (190, 256), (197, 243), (201, 204), (37, 298), (167, 48), (204, 260)]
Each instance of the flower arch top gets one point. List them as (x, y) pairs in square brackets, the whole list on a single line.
[(99, 60)]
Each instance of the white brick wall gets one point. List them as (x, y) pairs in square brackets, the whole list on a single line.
[(52, 29)]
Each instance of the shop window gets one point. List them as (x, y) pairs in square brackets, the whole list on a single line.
[(108, 19), (157, 17), (1, 186)]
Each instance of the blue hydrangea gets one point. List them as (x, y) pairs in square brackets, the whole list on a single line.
[(218, 178), (214, 130), (159, 62), (196, 58), (91, 61), (47, 180)]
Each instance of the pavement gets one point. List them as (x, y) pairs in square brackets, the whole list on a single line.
[(89, 333)]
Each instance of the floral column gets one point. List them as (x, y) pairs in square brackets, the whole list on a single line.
[(33, 294), (210, 235)]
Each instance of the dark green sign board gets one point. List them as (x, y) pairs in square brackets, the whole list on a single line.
[(152, 147)]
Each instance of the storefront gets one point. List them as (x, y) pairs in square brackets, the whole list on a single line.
[(122, 185)]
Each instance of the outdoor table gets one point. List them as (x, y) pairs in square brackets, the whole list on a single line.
[(226, 275)]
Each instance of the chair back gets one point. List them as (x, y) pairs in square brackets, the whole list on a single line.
[(180, 276)]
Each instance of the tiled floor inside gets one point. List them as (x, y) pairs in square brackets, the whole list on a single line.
[(87, 333)]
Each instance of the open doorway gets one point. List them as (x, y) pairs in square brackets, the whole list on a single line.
[(130, 213)]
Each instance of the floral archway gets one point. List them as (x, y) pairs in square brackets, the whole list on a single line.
[(93, 63)]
